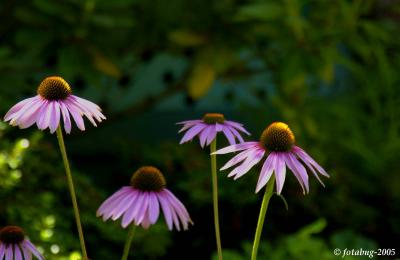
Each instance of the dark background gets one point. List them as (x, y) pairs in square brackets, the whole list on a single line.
[(330, 69)]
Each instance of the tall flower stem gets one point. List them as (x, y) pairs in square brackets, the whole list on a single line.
[(71, 191), (128, 242), (213, 148), (261, 218)]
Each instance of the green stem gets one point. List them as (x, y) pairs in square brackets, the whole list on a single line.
[(261, 218), (213, 148), (72, 191), (128, 242)]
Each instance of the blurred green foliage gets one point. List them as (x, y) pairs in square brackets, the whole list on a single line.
[(327, 68)]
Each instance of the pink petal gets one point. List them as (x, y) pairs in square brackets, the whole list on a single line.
[(236, 147), (237, 126), (266, 171), (44, 116), (124, 204), (237, 134), (154, 208), (305, 157), (211, 135), (292, 167), (299, 170), (280, 171), (204, 135), (32, 249), (252, 159), (192, 132), (66, 118), (238, 158), (9, 252), (55, 117), (2, 250), (229, 135), (17, 107), (166, 209), (133, 211), (17, 253), (76, 114)]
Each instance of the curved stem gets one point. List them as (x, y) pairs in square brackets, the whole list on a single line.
[(128, 242), (72, 191), (213, 148), (261, 218)]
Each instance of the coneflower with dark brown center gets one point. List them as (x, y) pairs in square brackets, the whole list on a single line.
[(278, 141), (140, 203), (54, 100), (14, 245)]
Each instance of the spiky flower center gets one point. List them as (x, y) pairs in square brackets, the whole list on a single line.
[(212, 118), (12, 235), (54, 88), (277, 137), (148, 178)]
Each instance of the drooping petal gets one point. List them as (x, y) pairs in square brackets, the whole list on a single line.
[(27, 254), (30, 115), (266, 171), (44, 116), (66, 118), (9, 252), (204, 135), (280, 171), (190, 122), (237, 134), (238, 158), (192, 132), (179, 209), (229, 135), (295, 172), (124, 204), (219, 127), (166, 209), (212, 134), (76, 114), (55, 116), (17, 253), (109, 201), (154, 208), (236, 147), (17, 107), (132, 212), (237, 126), (88, 108), (300, 170), (189, 125), (252, 159), (306, 158), (32, 249), (142, 213), (2, 250)]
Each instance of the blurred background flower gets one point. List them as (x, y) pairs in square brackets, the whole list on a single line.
[(329, 69)]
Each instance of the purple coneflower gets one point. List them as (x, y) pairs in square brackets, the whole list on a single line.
[(54, 99), (14, 245), (207, 130), (279, 142), (209, 126), (140, 203)]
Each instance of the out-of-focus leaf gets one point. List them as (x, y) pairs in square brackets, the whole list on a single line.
[(105, 65), (201, 79), (111, 21), (260, 11), (187, 38)]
